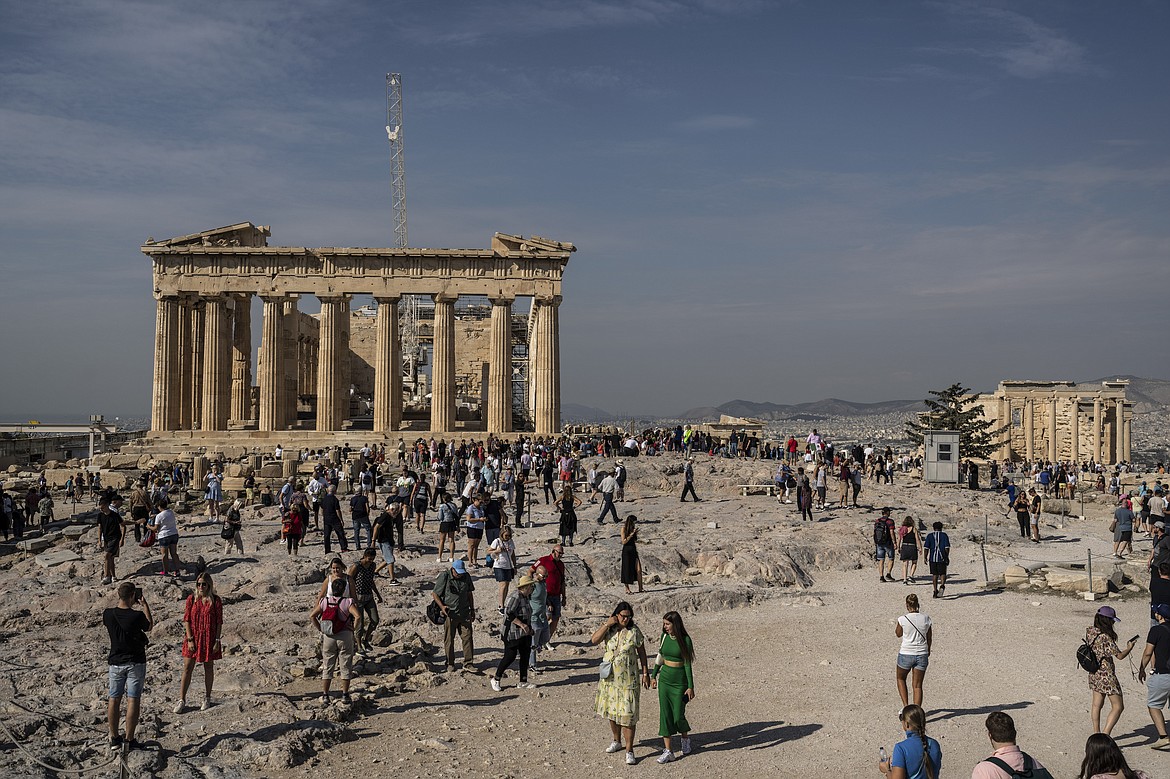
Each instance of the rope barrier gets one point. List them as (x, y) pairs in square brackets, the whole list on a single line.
[(54, 717), (77, 771)]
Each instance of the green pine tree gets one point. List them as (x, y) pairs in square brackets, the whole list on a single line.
[(955, 408)]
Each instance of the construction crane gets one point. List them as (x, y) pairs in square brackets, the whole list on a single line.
[(408, 308)]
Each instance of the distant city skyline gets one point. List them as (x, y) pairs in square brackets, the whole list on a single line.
[(779, 202)]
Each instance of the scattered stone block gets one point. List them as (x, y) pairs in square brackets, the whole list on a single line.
[(75, 532), (1015, 574), (57, 557), (34, 545)]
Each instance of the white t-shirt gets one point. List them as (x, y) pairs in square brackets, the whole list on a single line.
[(915, 626), (505, 551), (167, 524)]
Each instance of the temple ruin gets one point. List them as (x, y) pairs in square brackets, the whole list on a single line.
[(342, 369), (1061, 420)]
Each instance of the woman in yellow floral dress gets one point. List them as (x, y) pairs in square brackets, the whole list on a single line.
[(619, 689)]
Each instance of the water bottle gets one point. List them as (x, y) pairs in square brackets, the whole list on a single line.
[(882, 754)]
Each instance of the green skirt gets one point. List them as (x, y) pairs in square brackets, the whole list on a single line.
[(672, 701)]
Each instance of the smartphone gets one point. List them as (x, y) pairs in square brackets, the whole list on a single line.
[(1135, 638), (137, 594)]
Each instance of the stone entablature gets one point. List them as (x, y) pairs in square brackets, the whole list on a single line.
[(1062, 420), (204, 282)]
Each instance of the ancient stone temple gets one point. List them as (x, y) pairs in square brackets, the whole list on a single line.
[(1062, 420), (204, 285)]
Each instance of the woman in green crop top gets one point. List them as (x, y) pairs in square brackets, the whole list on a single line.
[(676, 684)]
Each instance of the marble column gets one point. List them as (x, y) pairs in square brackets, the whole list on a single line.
[(387, 368), (1127, 429), (1074, 436), (443, 366), (499, 389), (198, 329), (164, 409), (1098, 425), (548, 367), (344, 364), (1029, 430), (241, 360), (1005, 424), (1052, 451), (328, 367), (1119, 431), (186, 352), (271, 365), (216, 364), (289, 335)]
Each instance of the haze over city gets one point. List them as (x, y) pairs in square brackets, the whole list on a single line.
[(771, 201)]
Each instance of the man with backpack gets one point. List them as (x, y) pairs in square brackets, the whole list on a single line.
[(1007, 761), (454, 591), (338, 620), (883, 544)]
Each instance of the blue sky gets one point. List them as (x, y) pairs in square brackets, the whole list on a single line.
[(775, 201)]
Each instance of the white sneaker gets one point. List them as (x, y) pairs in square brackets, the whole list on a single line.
[(666, 757), (527, 685), (614, 746), (207, 704), (686, 744), (496, 684), (630, 759), (179, 707)]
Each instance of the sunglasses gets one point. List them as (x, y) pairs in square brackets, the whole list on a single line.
[(625, 615)]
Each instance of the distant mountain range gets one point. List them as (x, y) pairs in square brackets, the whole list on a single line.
[(805, 411), (1148, 395)]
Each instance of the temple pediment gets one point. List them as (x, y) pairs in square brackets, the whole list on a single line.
[(505, 243), (243, 234)]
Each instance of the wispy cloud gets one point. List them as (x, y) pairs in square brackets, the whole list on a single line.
[(1015, 43), (715, 123), (487, 21)]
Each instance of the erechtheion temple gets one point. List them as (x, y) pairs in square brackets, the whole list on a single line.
[(1061, 420), (313, 371)]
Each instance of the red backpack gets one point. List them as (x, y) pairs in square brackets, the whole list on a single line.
[(333, 619)]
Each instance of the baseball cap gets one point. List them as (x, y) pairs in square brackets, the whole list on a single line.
[(459, 566), (1163, 609), (1108, 612)]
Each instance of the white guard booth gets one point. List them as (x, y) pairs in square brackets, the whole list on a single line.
[(941, 460)]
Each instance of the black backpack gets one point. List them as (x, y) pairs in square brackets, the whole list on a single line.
[(881, 533), (1029, 771), (1087, 658)]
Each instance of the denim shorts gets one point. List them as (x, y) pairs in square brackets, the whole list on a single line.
[(913, 662), (387, 552), (127, 679), (884, 552), (169, 541), (554, 602)]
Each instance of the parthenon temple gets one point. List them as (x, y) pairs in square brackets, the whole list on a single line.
[(1062, 420), (342, 369)]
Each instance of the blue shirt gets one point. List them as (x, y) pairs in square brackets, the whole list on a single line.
[(908, 756), (938, 547)]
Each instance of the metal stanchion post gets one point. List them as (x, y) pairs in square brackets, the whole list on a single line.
[(1092, 595)]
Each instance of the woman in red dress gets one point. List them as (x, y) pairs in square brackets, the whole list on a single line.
[(203, 627)]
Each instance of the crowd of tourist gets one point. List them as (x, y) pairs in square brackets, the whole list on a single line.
[(481, 492)]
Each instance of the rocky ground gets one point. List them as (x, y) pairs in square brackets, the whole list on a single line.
[(795, 641)]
